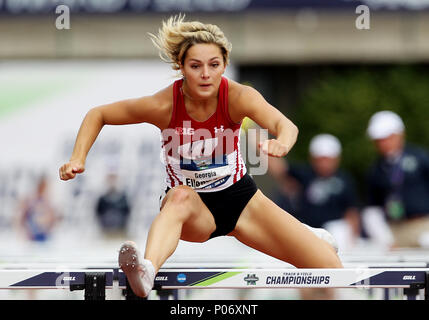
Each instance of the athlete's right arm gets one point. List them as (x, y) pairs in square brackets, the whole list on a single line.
[(154, 109)]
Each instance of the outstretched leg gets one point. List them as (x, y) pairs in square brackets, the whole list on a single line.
[(183, 216), (267, 228)]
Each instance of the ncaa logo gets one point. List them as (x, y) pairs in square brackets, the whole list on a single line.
[(181, 277)]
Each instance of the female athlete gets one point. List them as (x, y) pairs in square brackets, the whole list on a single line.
[(208, 192)]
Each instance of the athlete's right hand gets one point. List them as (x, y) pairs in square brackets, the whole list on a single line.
[(70, 169)]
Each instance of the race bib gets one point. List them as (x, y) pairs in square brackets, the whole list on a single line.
[(205, 173)]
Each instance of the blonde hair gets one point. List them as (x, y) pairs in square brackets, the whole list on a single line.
[(176, 36)]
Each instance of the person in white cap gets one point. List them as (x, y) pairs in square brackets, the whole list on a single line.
[(398, 181)]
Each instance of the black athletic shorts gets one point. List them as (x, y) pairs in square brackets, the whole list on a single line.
[(226, 205)]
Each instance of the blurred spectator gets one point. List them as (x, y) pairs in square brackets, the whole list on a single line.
[(37, 216), (398, 185), (320, 194), (113, 209)]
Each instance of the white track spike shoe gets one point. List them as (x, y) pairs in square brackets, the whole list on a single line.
[(140, 272)]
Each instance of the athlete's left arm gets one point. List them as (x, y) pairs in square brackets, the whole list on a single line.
[(248, 102)]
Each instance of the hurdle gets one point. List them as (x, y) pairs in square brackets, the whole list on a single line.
[(94, 282)]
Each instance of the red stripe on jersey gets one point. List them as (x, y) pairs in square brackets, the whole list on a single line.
[(172, 172), (236, 158), (170, 177)]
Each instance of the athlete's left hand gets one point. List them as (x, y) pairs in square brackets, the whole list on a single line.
[(273, 148)]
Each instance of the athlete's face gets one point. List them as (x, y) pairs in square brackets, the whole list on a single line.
[(203, 68)]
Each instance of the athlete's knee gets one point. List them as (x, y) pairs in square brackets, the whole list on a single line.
[(180, 195), (182, 200)]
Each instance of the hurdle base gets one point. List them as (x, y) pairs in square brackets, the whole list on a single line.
[(129, 293), (94, 286), (413, 291), (427, 286), (165, 294)]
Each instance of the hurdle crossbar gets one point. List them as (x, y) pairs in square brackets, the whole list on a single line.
[(96, 281), (288, 278)]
